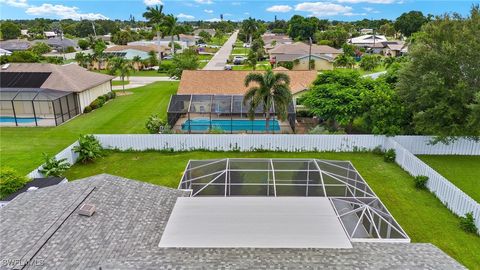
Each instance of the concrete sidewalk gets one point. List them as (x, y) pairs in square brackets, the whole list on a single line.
[(138, 81), (219, 60)]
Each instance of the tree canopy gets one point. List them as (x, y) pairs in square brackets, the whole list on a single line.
[(9, 30), (409, 23)]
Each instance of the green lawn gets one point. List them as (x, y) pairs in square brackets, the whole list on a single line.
[(242, 51), (21, 147), (218, 41), (421, 215), (205, 56), (117, 83), (246, 67), (463, 171)]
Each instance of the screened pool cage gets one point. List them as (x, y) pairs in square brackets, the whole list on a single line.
[(36, 107), (227, 113), (361, 213)]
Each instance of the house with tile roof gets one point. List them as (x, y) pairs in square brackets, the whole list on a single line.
[(301, 54), (131, 51)]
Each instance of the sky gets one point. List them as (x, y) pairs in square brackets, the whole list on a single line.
[(235, 10)]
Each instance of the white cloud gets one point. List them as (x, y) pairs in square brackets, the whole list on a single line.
[(208, 11), (354, 14), (15, 3), (206, 2), (213, 20), (279, 8), (152, 2), (246, 13), (185, 16), (63, 12), (323, 8), (367, 1)]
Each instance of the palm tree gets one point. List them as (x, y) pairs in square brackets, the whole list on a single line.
[(344, 60), (137, 62), (172, 28), (252, 59), (271, 90), (155, 16), (249, 27), (121, 66)]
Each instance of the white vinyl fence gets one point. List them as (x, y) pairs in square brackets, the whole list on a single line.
[(406, 147), (67, 153)]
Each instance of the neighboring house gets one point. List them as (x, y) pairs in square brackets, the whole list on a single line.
[(210, 31), (367, 41), (24, 32), (185, 41), (229, 82), (106, 38), (13, 45), (272, 40), (50, 34), (4, 52), (40, 94), (33, 185), (395, 48), (46, 228), (130, 51), (59, 44), (299, 53), (366, 31)]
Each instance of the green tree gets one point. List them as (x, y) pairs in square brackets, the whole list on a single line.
[(206, 37), (9, 30), (172, 28), (83, 44), (249, 27), (370, 61), (409, 23), (23, 57), (154, 16), (188, 60), (336, 96), (301, 28), (268, 90), (440, 84), (388, 30), (40, 48), (122, 67), (122, 37), (337, 36), (252, 59), (152, 59), (344, 60)]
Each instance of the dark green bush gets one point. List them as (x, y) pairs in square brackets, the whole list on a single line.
[(378, 150), (88, 148), (467, 223), (54, 167), (95, 104), (421, 181), (10, 181), (70, 49), (389, 155), (87, 109), (287, 65), (111, 95), (165, 66), (304, 113)]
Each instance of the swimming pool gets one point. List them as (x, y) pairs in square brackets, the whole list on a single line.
[(203, 124), (11, 119)]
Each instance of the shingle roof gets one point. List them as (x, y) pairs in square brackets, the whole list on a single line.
[(15, 45), (232, 82), (302, 48), (71, 77), (143, 48), (129, 221)]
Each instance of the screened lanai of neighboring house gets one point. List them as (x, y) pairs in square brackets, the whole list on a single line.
[(36, 107), (228, 113)]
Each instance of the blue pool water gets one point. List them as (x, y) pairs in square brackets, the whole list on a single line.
[(10, 119), (203, 124)]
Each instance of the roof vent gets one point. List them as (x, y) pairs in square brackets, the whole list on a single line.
[(87, 210), (5, 66)]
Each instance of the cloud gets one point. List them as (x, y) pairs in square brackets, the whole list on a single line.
[(206, 2), (246, 13), (208, 11), (152, 2), (185, 16), (213, 20), (367, 1), (354, 14), (64, 12), (371, 10), (279, 8), (15, 3), (323, 8)]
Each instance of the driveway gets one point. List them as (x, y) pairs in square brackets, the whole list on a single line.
[(219, 60), (137, 81)]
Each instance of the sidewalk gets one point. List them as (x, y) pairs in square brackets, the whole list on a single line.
[(140, 81)]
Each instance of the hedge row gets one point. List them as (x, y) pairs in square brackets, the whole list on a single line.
[(99, 102)]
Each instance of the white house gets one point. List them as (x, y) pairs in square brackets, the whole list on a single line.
[(367, 40)]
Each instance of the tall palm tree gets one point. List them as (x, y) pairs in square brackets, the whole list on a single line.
[(172, 28), (137, 61), (155, 16), (121, 66), (271, 90), (344, 60), (249, 27)]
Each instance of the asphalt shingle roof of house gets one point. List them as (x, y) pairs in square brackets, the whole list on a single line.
[(15, 45), (44, 227), (230, 82), (143, 48), (302, 49), (70, 77)]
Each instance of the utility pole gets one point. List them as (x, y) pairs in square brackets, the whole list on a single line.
[(310, 53), (94, 31)]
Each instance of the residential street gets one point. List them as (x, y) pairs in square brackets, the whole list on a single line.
[(139, 81), (220, 58)]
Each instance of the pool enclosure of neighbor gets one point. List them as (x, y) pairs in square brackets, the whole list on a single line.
[(361, 213), (36, 107), (227, 113)]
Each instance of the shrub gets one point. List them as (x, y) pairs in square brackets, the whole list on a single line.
[(467, 223), (54, 167), (154, 123), (10, 181), (389, 155), (165, 66), (216, 130), (378, 150), (111, 95), (304, 113), (95, 104), (421, 181), (287, 65), (88, 148), (87, 109), (70, 49)]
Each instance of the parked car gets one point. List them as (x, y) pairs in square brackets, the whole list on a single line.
[(238, 60), (228, 67), (246, 45), (215, 46), (168, 57), (201, 45)]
